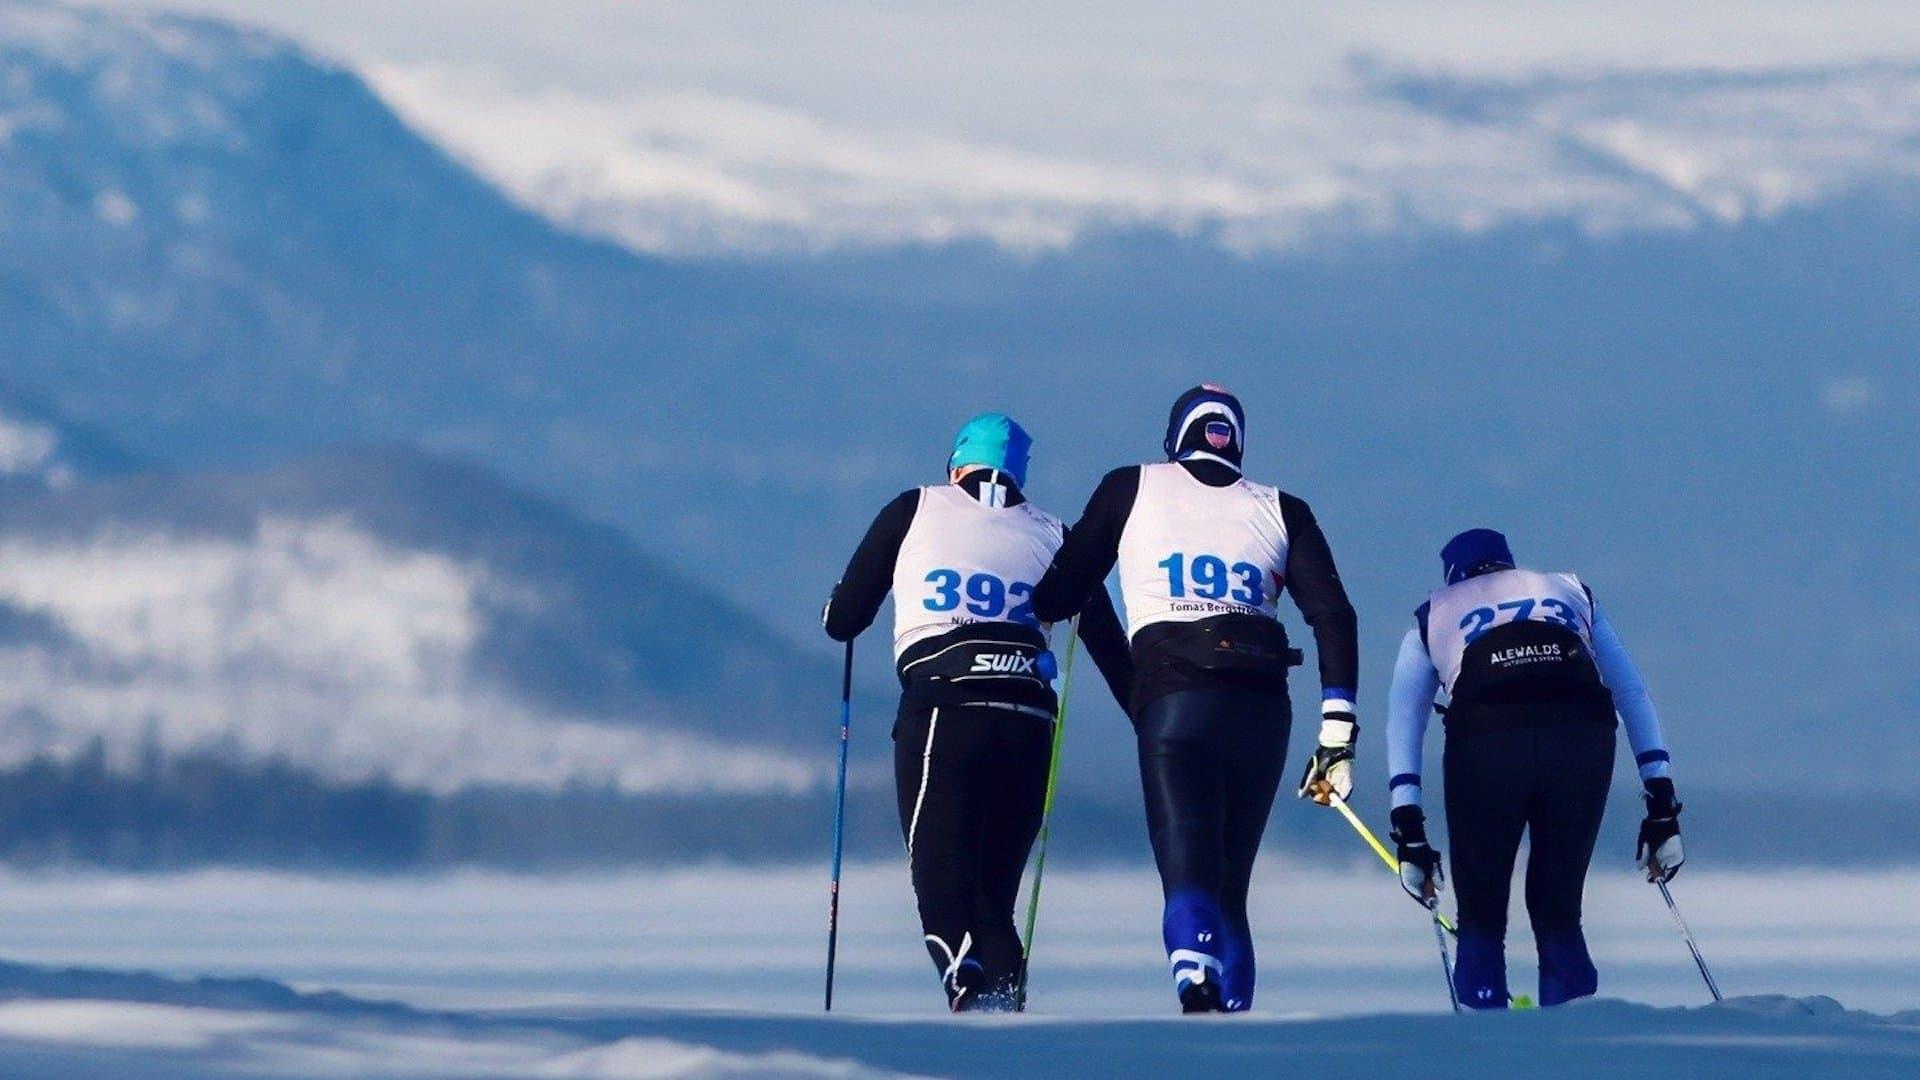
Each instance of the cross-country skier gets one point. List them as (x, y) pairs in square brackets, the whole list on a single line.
[(1535, 676), (1204, 554), (973, 737)]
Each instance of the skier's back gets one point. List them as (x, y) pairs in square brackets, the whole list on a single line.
[(1204, 554), (1535, 676), (973, 737)]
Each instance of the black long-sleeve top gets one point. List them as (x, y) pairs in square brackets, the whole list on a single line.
[(1080, 568), (863, 588)]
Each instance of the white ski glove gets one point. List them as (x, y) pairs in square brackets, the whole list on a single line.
[(1330, 769)]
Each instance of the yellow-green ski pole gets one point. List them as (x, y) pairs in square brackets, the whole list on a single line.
[(1046, 818), (1380, 849), (1441, 925)]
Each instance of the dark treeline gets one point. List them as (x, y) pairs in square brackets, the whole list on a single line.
[(210, 808)]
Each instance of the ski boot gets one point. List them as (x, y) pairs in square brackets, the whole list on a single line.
[(966, 984), (1201, 995)]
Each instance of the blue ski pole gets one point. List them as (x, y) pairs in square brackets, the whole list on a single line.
[(839, 820)]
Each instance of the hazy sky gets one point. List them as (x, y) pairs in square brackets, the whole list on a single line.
[(731, 125)]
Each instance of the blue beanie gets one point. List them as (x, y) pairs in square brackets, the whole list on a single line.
[(1475, 552), (996, 441)]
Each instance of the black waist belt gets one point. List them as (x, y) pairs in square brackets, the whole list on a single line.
[(979, 670), (977, 661), (1024, 710)]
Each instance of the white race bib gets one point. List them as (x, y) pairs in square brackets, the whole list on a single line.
[(1458, 614), (964, 562), (1191, 551)]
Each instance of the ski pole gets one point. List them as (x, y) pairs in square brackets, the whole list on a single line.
[(1046, 817), (1687, 934), (839, 820), (1380, 849), (1441, 926), (1446, 961)]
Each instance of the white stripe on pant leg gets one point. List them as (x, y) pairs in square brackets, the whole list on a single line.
[(1202, 963), (926, 768)]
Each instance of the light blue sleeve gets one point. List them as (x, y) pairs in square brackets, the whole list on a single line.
[(1630, 700), (1409, 704)]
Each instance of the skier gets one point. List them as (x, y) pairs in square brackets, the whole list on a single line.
[(1204, 554), (1535, 676), (973, 736)]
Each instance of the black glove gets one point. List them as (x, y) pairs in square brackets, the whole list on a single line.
[(1659, 851), (1420, 872)]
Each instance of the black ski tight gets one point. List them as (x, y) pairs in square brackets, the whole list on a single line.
[(1547, 777), (971, 782), (1210, 764)]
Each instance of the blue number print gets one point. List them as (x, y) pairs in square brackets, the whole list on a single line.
[(1562, 613), (1521, 608), (1252, 590), (1210, 577), (1480, 620), (1176, 565), (986, 596), (1023, 611), (946, 590)]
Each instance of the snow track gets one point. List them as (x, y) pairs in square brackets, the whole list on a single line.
[(73, 1023)]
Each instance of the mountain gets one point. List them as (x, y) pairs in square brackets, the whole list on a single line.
[(380, 614), (1276, 131), (225, 252), (388, 660)]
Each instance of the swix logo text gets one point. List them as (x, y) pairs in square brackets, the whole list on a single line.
[(1003, 664)]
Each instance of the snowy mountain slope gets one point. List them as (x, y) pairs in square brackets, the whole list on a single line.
[(379, 613), (218, 244), (1338, 142), (841, 125)]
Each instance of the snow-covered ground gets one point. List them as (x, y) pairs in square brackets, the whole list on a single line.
[(121, 1035), (715, 972), (1332, 941)]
